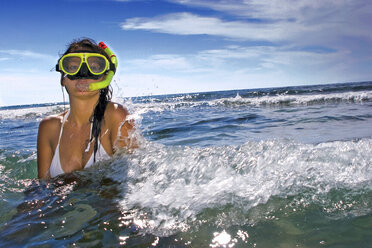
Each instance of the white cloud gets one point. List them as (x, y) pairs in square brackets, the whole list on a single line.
[(162, 61), (26, 53), (315, 40), (234, 67), (236, 58), (302, 22), (25, 61), (191, 24), (303, 11)]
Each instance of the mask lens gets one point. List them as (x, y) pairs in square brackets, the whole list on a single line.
[(71, 64), (97, 64)]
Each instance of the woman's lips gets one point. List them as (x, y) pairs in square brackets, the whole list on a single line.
[(82, 85)]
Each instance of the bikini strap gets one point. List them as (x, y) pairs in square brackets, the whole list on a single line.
[(63, 123)]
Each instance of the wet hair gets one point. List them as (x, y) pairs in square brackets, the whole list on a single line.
[(85, 44), (105, 93)]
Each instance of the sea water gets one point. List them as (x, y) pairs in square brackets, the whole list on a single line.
[(275, 167)]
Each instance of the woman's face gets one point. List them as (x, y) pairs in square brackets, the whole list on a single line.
[(80, 84)]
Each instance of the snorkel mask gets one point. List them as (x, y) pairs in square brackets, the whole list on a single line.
[(89, 65)]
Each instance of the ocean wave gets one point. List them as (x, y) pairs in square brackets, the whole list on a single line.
[(163, 190), (173, 185), (261, 101), (295, 100), (234, 99), (31, 112)]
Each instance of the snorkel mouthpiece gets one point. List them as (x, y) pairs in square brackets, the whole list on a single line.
[(104, 83), (82, 86)]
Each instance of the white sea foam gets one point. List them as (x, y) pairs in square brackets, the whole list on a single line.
[(176, 184), (138, 108), (285, 99), (153, 105), (31, 112)]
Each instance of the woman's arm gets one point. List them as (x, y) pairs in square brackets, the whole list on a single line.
[(44, 146), (122, 128)]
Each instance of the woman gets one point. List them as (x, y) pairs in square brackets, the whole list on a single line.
[(94, 127)]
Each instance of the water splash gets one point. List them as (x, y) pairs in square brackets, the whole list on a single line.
[(173, 185)]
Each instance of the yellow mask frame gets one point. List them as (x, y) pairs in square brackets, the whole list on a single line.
[(71, 63), (112, 65)]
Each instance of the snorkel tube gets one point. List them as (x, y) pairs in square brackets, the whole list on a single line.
[(104, 83)]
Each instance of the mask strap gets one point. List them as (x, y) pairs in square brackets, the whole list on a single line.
[(64, 101)]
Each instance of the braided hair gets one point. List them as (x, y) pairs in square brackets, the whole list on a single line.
[(104, 95)]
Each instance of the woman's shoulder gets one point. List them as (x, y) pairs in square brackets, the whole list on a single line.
[(116, 111), (51, 122)]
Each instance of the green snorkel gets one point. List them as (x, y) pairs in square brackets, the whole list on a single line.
[(104, 83)]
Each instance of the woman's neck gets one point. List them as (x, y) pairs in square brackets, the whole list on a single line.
[(81, 110)]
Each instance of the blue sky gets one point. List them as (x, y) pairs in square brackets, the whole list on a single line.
[(180, 46)]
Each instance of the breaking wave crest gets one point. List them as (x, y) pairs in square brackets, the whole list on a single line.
[(155, 105), (272, 98), (171, 186)]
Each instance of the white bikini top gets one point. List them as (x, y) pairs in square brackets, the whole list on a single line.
[(55, 168)]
